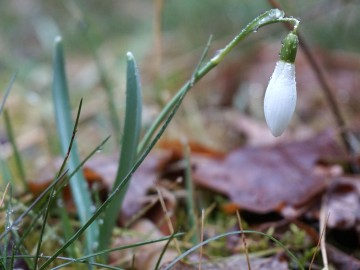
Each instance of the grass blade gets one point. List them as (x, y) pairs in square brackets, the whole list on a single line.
[(107, 251), (7, 91), (64, 215), (66, 223), (38, 199), (17, 156), (70, 260), (79, 188), (182, 256), (50, 199), (84, 259), (59, 188), (19, 248), (190, 196), (131, 134), (8, 218), (163, 251), (5, 172)]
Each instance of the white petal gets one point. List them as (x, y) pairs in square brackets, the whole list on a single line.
[(280, 98)]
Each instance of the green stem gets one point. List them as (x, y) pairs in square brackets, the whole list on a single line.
[(17, 156), (7, 91), (268, 17), (190, 196)]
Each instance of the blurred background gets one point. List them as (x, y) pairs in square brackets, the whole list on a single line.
[(167, 38)]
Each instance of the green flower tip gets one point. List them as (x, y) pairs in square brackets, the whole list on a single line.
[(289, 48)]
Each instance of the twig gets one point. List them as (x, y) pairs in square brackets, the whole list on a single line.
[(201, 236), (323, 222), (321, 243), (3, 198), (244, 240), (168, 219), (190, 193)]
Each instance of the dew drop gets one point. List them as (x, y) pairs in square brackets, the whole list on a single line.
[(276, 13), (15, 228), (60, 203), (273, 14), (95, 245), (92, 208)]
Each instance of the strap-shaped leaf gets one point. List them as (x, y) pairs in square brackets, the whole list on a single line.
[(65, 125), (130, 140)]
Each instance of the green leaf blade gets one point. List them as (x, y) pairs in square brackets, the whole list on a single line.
[(128, 154), (79, 188)]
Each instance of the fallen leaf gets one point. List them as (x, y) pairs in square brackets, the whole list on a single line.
[(265, 179), (177, 149), (104, 168), (343, 204), (146, 256), (341, 260), (100, 172), (256, 132)]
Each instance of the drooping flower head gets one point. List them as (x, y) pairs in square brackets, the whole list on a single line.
[(280, 95)]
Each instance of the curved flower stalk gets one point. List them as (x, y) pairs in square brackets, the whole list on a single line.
[(280, 95)]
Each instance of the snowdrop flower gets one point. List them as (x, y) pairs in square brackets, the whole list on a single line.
[(280, 95)]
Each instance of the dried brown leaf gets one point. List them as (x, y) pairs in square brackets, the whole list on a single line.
[(343, 204), (265, 179)]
